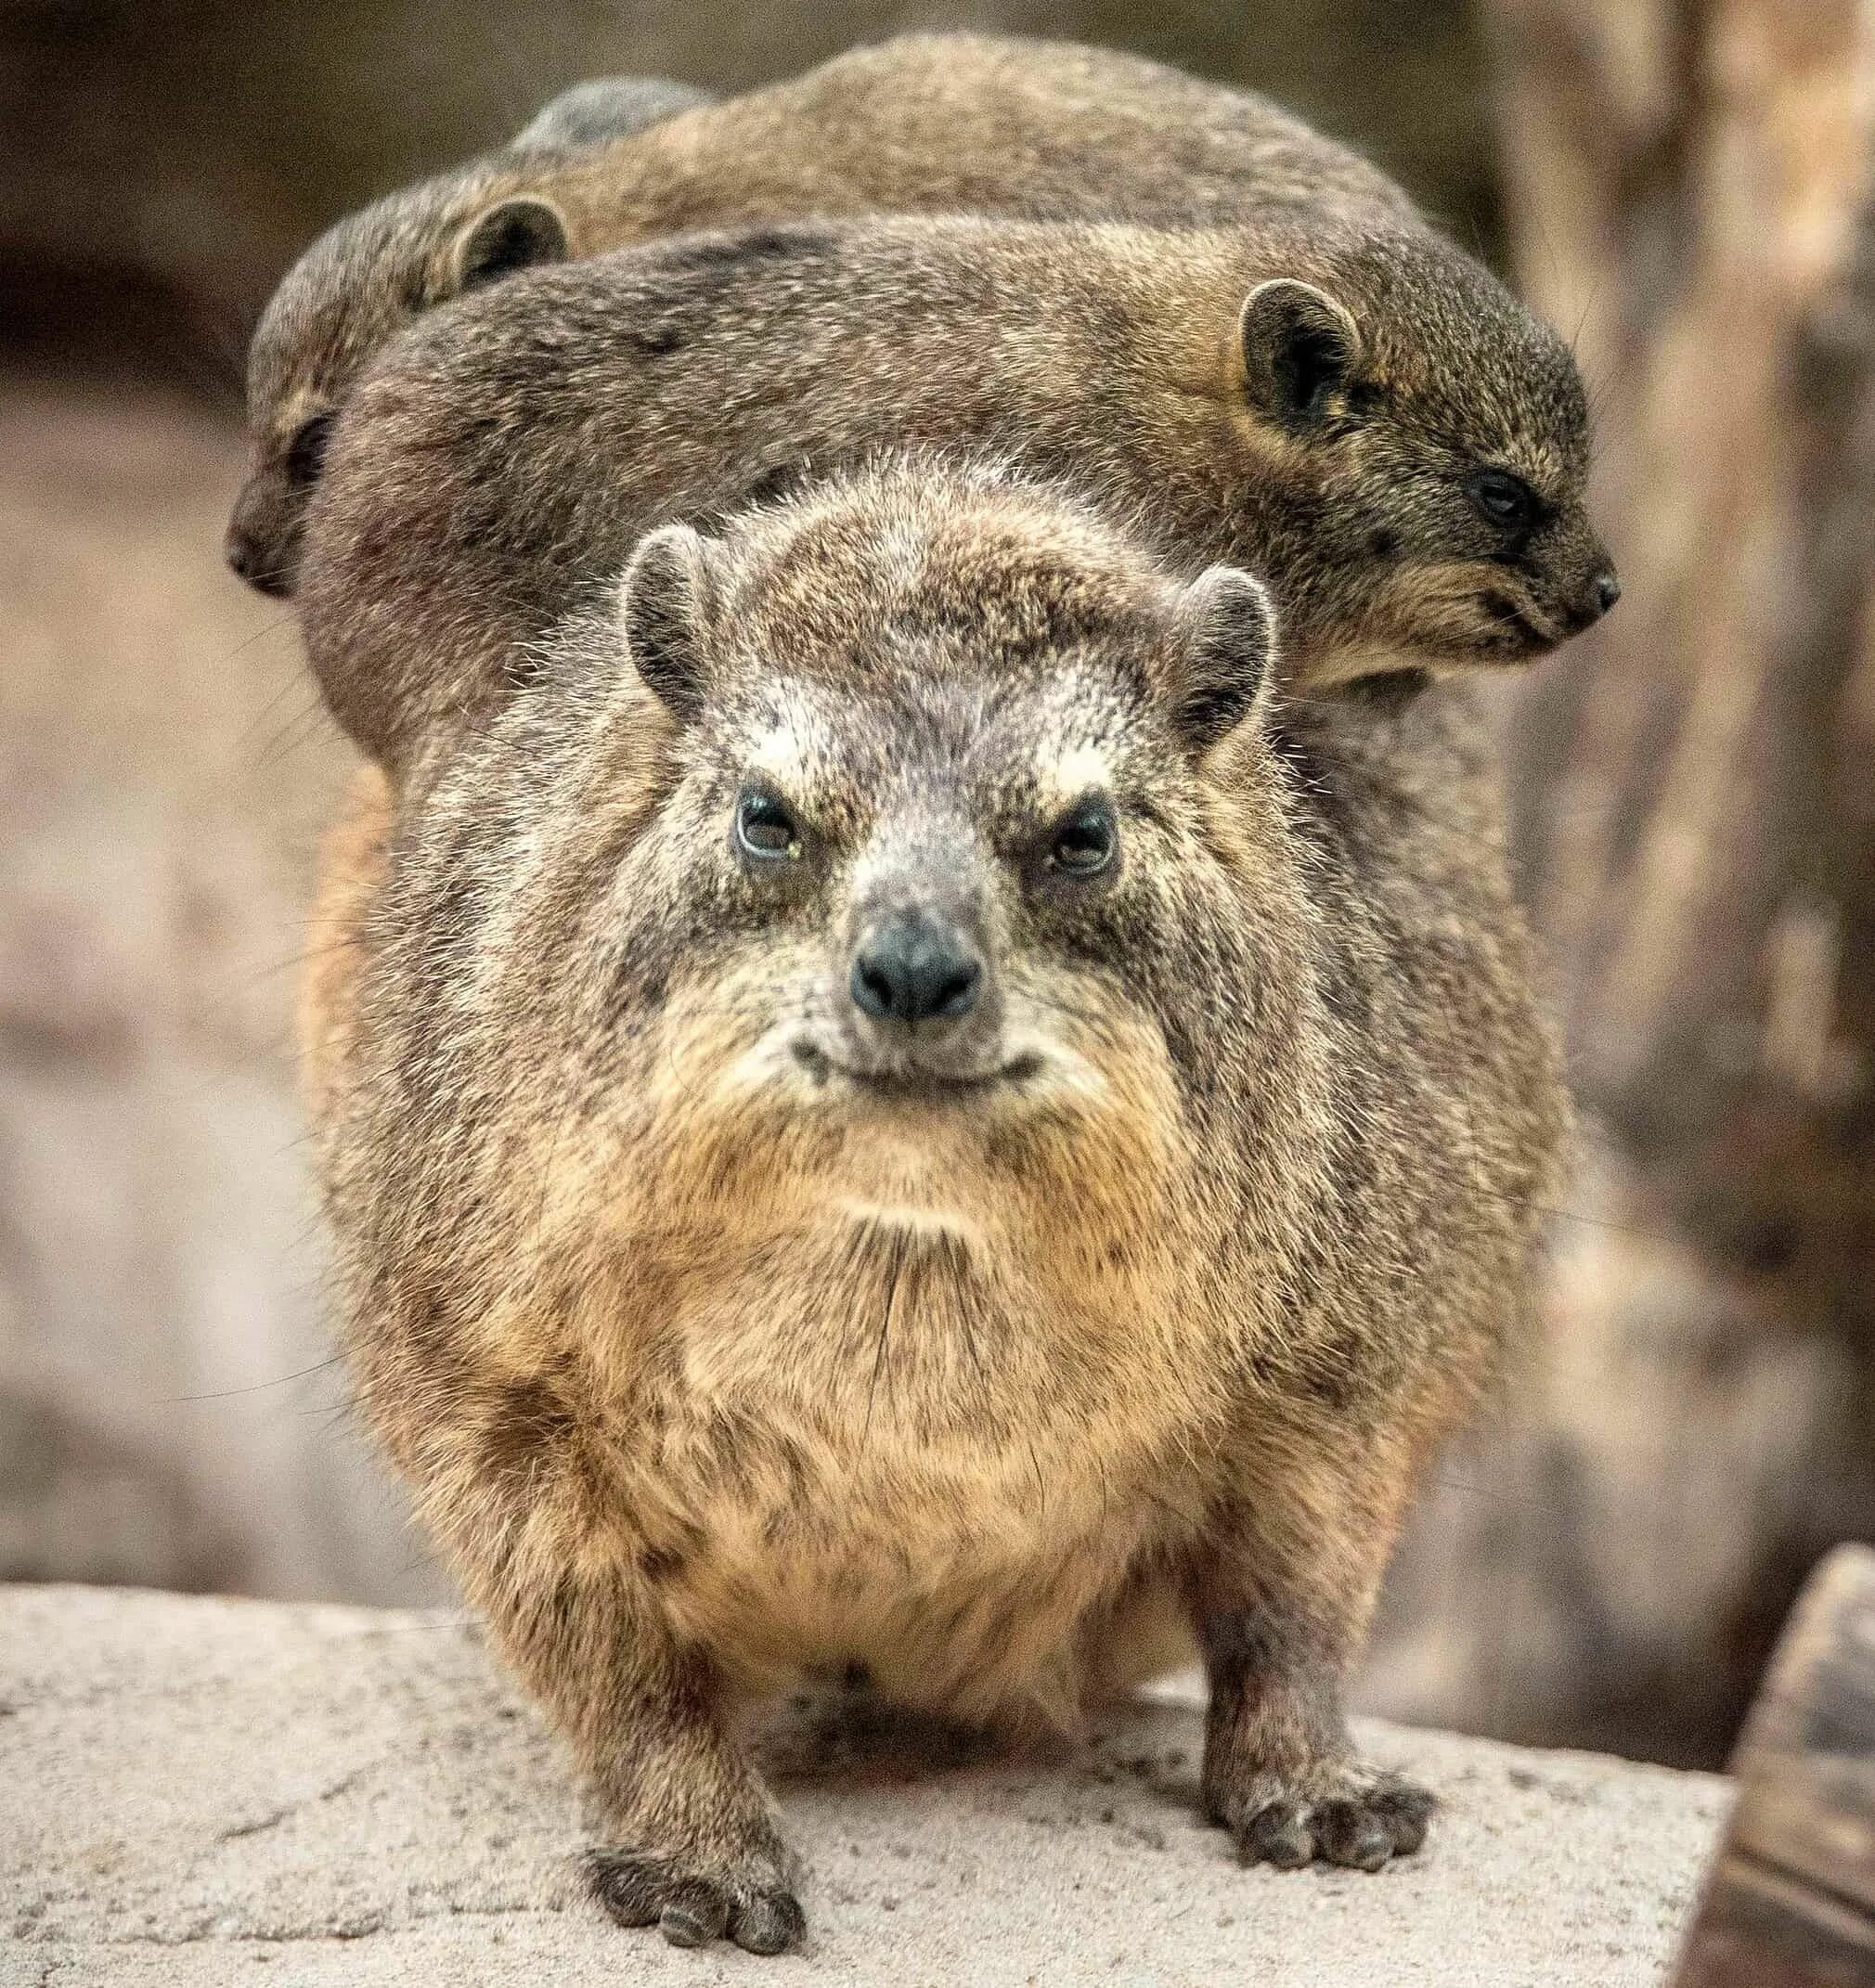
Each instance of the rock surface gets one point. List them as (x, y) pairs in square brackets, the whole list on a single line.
[(209, 1792)]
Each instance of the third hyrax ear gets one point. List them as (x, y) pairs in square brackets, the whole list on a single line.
[(516, 235), (1301, 348), (606, 107), (663, 610), (1224, 630)]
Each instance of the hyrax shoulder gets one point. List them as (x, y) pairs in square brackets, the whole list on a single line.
[(1366, 419), (901, 1108), (922, 124)]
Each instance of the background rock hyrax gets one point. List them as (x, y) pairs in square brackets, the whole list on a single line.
[(1365, 419), (900, 1109), (924, 124), (370, 274)]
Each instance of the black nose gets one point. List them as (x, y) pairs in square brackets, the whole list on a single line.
[(914, 969), (1604, 590), (250, 560)]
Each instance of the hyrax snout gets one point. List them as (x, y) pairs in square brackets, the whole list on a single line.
[(913, 988), (924, 992), (900, 1107)]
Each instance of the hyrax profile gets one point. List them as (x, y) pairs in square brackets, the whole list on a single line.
[(925, 124), (1364, 418), (900, 1109), (360, 279)]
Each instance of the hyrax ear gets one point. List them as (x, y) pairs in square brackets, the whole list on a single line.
[(1300, 349), (664, 613), (518, 234), (1224, 646), (604, 109)]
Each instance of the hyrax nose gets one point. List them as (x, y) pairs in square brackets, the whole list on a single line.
[(914, 968), (250, 561), (1600, 594), (240, 551)]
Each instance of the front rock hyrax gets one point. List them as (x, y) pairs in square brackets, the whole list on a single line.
[(900, 1109), (925, 124), (1365, 419)]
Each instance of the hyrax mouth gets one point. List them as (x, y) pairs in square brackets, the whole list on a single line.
[(913, 1081), (1516, 623)]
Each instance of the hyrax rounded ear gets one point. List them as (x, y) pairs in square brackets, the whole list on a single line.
[(664, 611), (514, 235), (603, 109), (1301, 348), (1223, 650)]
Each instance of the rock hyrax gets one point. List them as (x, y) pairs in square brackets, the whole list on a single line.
[(1365, 419), (924, 124), (370, 274), (902, 1109)]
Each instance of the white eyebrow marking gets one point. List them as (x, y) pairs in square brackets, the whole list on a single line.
[(1081, 767), (779, 752)]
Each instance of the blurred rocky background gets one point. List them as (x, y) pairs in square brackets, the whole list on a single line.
[(1677, 183)]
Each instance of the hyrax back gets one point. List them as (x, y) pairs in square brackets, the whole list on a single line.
[(1367, 420), (927, 123), (899, 1108)]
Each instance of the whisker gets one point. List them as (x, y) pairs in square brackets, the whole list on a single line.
[(226, 1394)]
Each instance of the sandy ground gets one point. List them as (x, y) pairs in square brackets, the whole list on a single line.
[(208, 1791)]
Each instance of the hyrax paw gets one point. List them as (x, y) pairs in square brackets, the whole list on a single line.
[(1344, 1814), (752, 1903)]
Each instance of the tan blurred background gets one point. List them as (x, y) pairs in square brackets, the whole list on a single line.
[(1679, 186)]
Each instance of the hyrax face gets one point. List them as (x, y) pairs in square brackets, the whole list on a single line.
[(1439, 440), (937, 778), (904, 895), (347, 295)]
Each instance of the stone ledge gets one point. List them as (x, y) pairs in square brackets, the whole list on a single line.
[(207, 1791)]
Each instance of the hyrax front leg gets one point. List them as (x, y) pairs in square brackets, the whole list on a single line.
[(695, 1848), (1281, 1600), (690, 1839)]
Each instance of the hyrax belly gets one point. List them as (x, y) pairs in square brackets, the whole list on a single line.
[(919, 1466)]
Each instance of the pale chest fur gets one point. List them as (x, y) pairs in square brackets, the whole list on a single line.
[(888, 1444)]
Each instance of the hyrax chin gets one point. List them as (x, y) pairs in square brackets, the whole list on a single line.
[(897, 1108)]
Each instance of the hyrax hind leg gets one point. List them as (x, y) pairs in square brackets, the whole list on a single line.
[(1281, 1597), (688, 1842)]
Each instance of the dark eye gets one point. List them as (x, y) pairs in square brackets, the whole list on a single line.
[(1086, 840), (1505, 499), (306, 452), (766, 831)]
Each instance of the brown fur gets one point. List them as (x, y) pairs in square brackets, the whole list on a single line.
[(721, 1336), (511, 448), (923, 125)]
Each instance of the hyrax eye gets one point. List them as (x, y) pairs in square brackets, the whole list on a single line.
[(1086, 840), (1504, 498), (306, 451), (766, 831)]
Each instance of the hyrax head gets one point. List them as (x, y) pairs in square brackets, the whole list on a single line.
[(1430, 458), (372, 272), (349, 293), (932, 848)]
